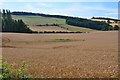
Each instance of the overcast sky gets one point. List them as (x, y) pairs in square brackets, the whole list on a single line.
[(79, 9)]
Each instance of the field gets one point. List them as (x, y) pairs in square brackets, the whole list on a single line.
[(64, 55), (32, 21), (112, 24), (47, 28), (37, 20)]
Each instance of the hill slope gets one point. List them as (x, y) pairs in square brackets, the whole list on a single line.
[(111, 21), (31, 21), (67, 22)]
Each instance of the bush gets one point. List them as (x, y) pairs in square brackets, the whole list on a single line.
[(116, 27), (49, 32), (9, 73), (35, 32)]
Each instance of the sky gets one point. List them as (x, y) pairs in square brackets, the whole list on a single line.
[(77, 9)]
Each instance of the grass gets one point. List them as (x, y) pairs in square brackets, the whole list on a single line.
[(61, 40), (0, 62), (75, 28), (37, 20), (49, 40), (0, 66)]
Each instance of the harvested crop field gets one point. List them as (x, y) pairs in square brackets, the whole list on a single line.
[(64, 55), (47, 28)]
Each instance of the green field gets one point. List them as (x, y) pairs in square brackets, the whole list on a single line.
[(75, 28), (37, 20)]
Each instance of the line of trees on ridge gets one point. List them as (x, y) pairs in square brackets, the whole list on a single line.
[(80, 22)]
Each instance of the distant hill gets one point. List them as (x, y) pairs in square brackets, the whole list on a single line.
[(64, 21), (34, 19), (56, 16)]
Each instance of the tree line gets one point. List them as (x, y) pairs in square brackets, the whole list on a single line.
[(54, 24), (80, 22), (40, 14), (105, 18), (10, 25)]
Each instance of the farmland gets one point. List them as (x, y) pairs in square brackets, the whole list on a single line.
[(64, 55), (47, 28), (32, 21), (37, 20)]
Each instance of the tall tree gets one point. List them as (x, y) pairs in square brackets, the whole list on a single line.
[(108, 21), (10, 25)]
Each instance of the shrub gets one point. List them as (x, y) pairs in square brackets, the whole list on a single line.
[(116, 27), (9, 73)]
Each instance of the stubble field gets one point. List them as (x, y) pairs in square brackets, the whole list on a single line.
[(64, 55), (47, 28)]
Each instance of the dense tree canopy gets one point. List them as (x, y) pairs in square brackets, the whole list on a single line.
[(88, 24), (10, 25)]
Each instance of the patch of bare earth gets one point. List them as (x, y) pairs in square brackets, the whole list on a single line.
[(93, 55)]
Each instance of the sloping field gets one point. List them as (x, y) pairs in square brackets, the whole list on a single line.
[(47, 28), (37, 20), (75, 28), (32, 21), (64, 55)]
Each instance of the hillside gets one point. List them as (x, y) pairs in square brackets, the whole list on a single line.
[(32, 20), (37, 20), (68, 23)]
